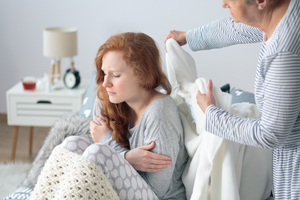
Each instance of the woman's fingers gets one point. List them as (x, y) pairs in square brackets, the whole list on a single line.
[(154, 167), (158, 162), (143, 160), (101, 120), (198, 95), (92, 124), (179, 36), (168, 36), (147, 147), (96, 130), (209, 87), (159, 159), (205, 100), (154, 157)]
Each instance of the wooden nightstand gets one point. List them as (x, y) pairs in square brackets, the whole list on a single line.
[(40, 108)]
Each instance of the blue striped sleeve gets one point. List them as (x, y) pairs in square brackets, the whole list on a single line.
[(222, 33), (280, 119)]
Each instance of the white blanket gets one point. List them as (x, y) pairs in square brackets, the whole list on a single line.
[(217, 168)]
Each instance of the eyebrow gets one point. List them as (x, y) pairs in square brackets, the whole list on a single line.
[(113, 70)]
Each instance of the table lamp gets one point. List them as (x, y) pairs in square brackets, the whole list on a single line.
[(59, 42)]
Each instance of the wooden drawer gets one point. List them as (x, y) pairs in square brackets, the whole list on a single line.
[(40, 111)]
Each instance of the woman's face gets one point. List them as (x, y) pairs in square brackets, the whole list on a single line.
[(240, 10), (120, 82)]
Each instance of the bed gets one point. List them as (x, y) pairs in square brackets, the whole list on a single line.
[(79, 124)]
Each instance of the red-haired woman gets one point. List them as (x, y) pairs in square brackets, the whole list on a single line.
[(129, 114)]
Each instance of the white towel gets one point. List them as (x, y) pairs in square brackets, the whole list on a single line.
[(216, 167)]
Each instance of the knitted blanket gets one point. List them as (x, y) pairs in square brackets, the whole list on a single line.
[(68, 125), (67, 175)]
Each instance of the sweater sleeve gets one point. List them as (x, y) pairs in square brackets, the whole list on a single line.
[(108, 140), (222, 33), (165, 129), (280, 110)]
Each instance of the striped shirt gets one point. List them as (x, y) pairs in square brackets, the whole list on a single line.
[(277, 94)]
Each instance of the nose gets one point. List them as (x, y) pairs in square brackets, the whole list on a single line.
[(106, 82), (224, 4)]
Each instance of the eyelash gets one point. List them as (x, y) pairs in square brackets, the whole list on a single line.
[(116, 76)]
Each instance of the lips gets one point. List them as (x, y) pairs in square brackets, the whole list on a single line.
[(110, 93)]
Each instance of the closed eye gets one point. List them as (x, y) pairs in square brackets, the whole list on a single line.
[(111, 74)]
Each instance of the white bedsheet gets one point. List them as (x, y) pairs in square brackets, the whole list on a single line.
[(217, 168)]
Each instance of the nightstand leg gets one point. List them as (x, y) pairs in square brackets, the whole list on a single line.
[(30, 139), (14, 143)]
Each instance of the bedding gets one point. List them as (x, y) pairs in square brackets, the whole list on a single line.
[(87, 106), (79, 125), (241, 96), (68, 125)]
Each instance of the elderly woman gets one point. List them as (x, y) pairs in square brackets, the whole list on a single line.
[(275, 23)]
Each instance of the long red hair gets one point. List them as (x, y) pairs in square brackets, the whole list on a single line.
[(142, 55)]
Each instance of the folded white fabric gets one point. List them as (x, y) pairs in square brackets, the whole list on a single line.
[(215, 168)]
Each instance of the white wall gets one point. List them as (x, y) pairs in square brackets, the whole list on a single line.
[(22, 23)]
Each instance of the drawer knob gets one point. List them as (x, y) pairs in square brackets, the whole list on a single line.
[(44, 102)]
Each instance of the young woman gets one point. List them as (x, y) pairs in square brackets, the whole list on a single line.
[(130, 114)]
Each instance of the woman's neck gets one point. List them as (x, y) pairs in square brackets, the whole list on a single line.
[(271, 16), (138, 107)]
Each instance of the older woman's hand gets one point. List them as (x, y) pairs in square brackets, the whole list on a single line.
[(97, 131), (144, 160), (205, 100), (179, 36)]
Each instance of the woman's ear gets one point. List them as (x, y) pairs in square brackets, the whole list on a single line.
[(261, 4)]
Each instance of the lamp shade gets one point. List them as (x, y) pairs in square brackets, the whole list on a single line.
[(59, 42)]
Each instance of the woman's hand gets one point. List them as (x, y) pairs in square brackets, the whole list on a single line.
[(143, 160), (205, 100), (179, 36), (97, 131)]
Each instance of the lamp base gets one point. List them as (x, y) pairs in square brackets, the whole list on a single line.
[(52, 70), (57, 86)]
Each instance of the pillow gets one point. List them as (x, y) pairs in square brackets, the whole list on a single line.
[(89, 98), (240, 96)]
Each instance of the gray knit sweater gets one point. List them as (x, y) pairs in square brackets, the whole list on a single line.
[(160, 123)]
